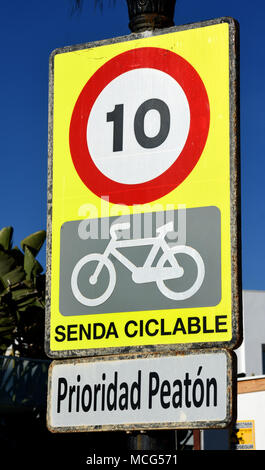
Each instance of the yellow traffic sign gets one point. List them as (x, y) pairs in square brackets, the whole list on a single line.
[(143, 197)]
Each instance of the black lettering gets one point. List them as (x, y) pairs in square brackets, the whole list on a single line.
[(112, 389), (147, 327), (71, 333), (165, 391), (112, 330), (204, 322), (153, 387), (87, 332), (126, 329), (62, 392), (194, 325), (163, 332), (60, 333), (198, 390), (97, 388), (103, 393), (219, 323), (179, 326), (136, 393), (211, 383), (187, 383), (177, 395), (141, 137), (78, 393), (116, 116), (99, 330), (124, 397), (86, 398), (71, 392)]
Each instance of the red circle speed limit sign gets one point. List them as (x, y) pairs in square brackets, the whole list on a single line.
[(139, 126)]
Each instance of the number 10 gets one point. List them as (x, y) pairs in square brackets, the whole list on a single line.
[(117, 117)]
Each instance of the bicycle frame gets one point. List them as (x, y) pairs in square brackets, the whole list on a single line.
[(142, 274), (145, 273)]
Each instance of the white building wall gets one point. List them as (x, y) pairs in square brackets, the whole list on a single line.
[(249, 357), (249, 354)]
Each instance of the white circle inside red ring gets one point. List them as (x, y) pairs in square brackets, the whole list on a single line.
[(135, 164), (180, 70)]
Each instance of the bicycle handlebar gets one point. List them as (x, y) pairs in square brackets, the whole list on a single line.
[(164, 229)]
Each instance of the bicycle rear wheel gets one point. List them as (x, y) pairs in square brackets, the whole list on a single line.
[(94, 259)]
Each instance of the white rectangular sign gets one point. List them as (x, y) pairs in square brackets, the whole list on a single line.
[(136, 392)]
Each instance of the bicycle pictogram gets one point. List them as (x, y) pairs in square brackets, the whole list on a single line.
[(167, 267)]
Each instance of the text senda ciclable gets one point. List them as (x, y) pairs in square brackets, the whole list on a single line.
[(133, 459)]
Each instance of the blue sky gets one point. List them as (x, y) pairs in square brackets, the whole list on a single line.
[(30, 30)]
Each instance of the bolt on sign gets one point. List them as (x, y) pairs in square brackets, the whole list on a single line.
[(143, 193)]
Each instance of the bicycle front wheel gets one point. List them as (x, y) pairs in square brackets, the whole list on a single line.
[(88, 289), (167, 289)]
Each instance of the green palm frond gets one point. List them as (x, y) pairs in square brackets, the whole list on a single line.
[(22, 295)]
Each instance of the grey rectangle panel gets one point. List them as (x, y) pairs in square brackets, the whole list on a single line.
[(127, 281)]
